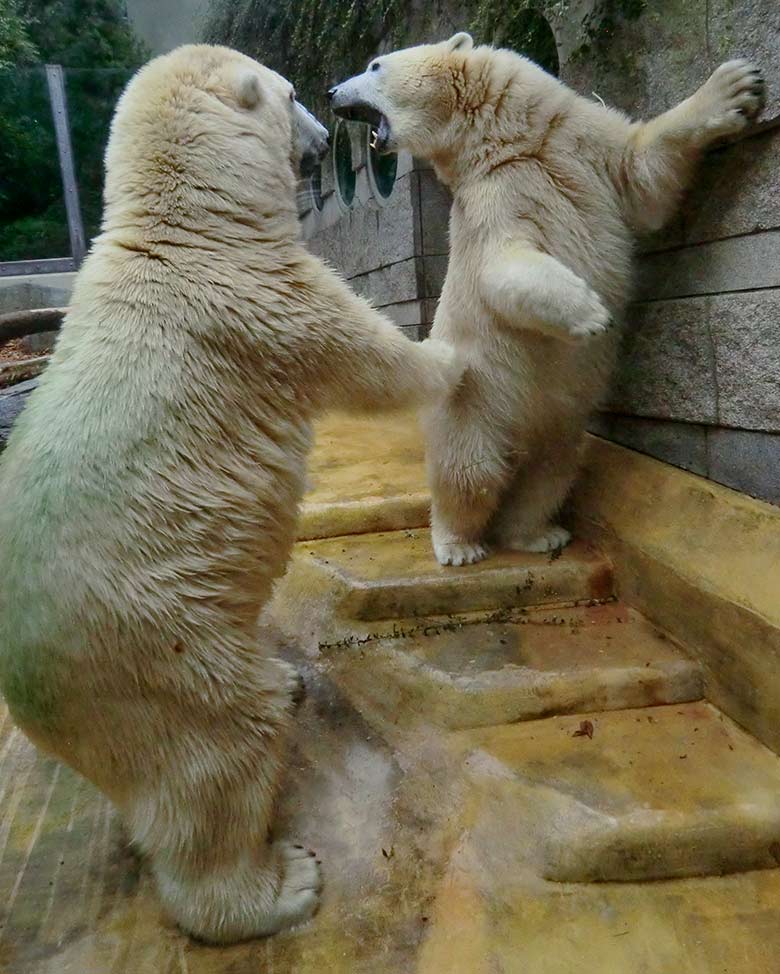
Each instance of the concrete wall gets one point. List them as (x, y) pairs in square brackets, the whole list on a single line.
[(699, 379)]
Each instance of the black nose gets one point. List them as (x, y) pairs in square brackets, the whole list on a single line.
[(332, 92)]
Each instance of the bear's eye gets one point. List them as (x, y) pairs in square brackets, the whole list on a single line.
[(375, 66), (292, 94)]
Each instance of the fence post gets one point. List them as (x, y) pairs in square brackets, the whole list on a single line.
[(59, 110)]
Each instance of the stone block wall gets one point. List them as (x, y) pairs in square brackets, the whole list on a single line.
[(392, 251), (699, 378)]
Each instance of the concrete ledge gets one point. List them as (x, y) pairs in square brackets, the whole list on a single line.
[(747, 460), (701, 561)]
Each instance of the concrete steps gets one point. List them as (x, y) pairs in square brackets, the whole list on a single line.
[(393, 575), (632, 795), (491, 763), (369, 585), (532, 663)]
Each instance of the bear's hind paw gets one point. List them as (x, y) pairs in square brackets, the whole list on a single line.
[(458, 553)]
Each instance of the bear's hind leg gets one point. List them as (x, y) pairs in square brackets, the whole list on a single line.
[(525, 520), (467, 475), (203, 818)]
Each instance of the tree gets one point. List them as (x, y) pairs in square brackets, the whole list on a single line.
[(95, 45), (285, 34), (15, 44), (86, 34)]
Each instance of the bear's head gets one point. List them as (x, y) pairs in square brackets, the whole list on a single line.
[(435, 100), (206, 124)]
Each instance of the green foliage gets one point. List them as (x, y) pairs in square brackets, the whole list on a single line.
[(84, 34), (318, 42), (313, 42), (93, 42), (16, 47)]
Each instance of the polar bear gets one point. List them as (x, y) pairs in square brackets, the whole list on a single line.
[(149, 491), (549, 190)]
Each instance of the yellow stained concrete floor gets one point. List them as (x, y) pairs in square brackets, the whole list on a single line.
[(437, 844)]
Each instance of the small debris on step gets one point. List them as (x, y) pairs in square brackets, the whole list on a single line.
[(586, 730)]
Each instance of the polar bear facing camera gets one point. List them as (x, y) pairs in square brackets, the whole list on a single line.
[(149, 491), (549, 190)]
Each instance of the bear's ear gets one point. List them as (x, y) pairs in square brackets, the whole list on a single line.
[(460, 42), (248, 90)]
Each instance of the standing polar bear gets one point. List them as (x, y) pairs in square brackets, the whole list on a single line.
[(548, 191), (149, 491)]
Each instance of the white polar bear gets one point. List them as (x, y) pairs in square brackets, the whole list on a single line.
[(548, 191), (149, 492)]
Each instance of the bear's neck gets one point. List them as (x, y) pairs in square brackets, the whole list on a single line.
[(473, 159), (201, 219)]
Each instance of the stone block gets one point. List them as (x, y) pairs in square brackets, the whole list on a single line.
[(672, 235), (746, 341), (552, 661), (389, 285), (432, 273), (328, 242), (681, 444), (737, 190), (367, 236), (407, 315), (746, 460), (663, 56), (650, 63), (434, 202), (406, 164), (748, 29), (18, 293), (738, 264), (413, 332), (429, 306), (666, 368)]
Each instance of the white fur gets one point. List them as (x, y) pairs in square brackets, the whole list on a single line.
[(149, 492), (549, 190)]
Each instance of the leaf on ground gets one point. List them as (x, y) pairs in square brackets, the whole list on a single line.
[(586, 730)]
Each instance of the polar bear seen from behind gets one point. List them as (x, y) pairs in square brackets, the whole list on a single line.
[(549, 190), (149, 491)]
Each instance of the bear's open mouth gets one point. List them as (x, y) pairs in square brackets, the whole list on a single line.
[(361, 111)]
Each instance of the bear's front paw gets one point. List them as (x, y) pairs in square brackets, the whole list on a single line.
[(457, 553), (592, 319), (446, 358), (734, 94)]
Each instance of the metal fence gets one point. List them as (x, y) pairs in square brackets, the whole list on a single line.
[(54, 126)]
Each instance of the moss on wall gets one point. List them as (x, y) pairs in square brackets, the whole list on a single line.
[(319, 42)]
